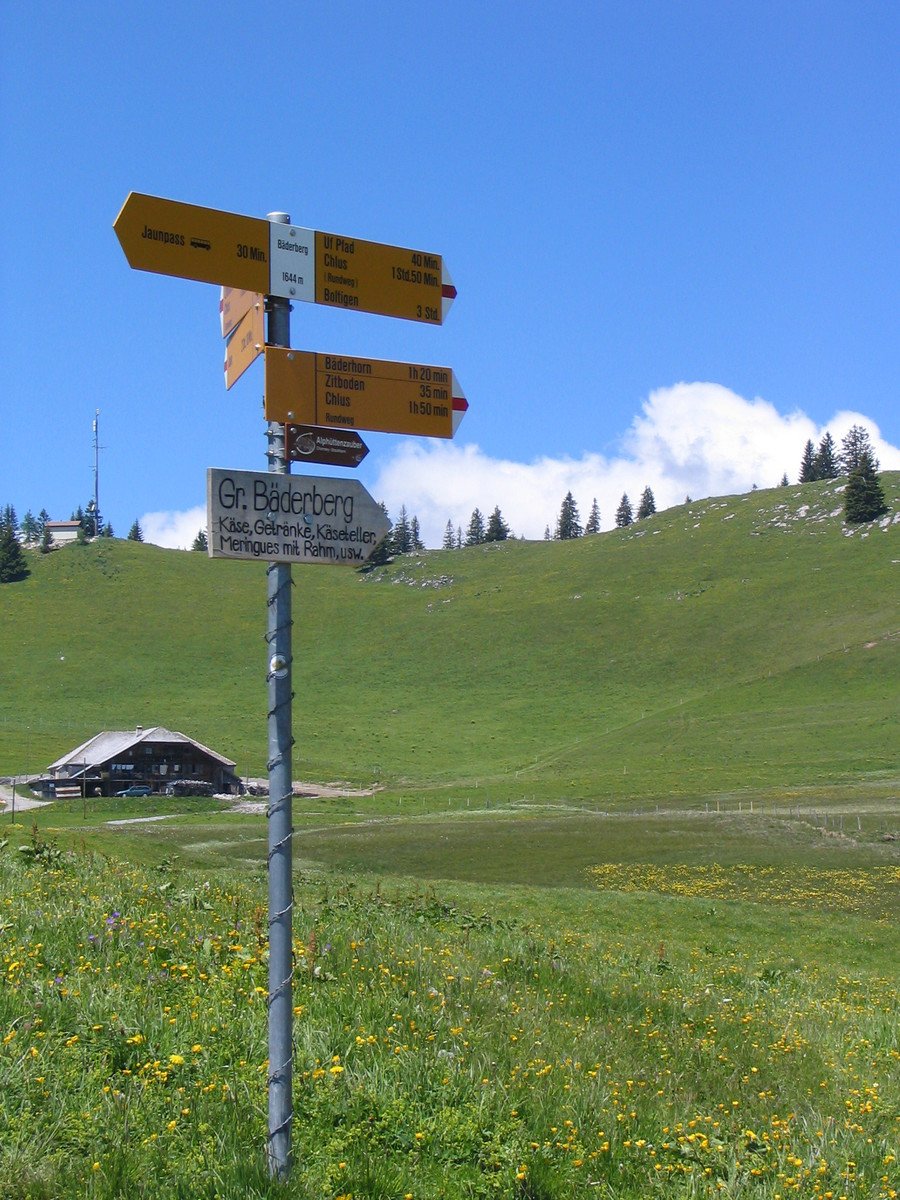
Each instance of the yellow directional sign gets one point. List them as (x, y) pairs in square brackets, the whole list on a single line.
[(245, 344), (172, 238), (233, 303), (363, 393), (344, 272), (374, 278), (282, 260)]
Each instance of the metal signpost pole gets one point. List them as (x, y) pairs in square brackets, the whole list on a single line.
[(242, 255), (278, 639)]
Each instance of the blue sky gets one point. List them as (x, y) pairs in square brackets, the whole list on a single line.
[(673, 228)]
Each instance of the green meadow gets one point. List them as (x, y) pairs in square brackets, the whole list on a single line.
[(740, 641), (689, 1032), (606, 904)]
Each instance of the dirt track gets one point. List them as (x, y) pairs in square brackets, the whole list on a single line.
[(23, 803)]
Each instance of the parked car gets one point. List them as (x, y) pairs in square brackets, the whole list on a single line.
[(136, 789), (189, 787)]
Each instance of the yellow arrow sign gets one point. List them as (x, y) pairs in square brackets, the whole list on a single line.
[(363, 393), (172, 238), (245, 344), (326, 268), (381, 279), (233, 303)]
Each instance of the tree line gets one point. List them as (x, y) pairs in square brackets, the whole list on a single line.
[(568, 523), (405, 537), (863, 495), (825, 461), (32, 530), (863, 501)]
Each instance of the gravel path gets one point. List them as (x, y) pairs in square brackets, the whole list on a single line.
[(23, 803)]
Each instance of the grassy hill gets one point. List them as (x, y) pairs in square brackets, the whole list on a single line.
[(601, 933), (733, 644)]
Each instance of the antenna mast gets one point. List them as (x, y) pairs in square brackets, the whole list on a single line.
[(96, 475)]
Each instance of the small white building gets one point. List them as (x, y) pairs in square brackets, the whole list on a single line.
[(63, 532)]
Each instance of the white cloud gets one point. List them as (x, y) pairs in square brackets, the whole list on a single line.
[(697, 439), (176, 530)]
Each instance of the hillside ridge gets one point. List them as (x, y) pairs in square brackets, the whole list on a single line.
[(745, 640)]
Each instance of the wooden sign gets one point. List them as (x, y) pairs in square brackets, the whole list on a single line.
[(336, 391)]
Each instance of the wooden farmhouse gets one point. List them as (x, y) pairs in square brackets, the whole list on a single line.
[(114, 760)]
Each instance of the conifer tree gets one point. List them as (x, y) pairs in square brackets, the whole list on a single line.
[(863, 495), (8, 517), (647, 505), (593, 521), (475, 532), (135, 533), (449, 542), (459, 537), (382, 551), (31, 528), (808, 463), (784, 480), (624, 513), (200, 541), (415, 537), (401, 537), (497, 529), (567, 524), (826, 462), (12, 557), (93, 520), (854, 443)]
